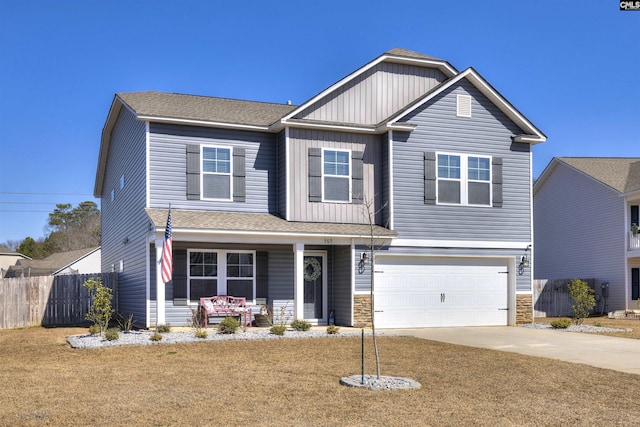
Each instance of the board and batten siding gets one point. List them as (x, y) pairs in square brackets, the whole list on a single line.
[(281, 158), (580, 232), (300, 140), (488, 132), (168, 166), (374, 95), (124, 221)]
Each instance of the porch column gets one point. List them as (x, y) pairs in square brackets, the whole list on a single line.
[(160, 320), (298, 279)]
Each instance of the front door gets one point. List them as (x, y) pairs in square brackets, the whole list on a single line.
[(315, 287)]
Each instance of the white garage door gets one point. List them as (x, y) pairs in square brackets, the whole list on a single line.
[(414, 292)]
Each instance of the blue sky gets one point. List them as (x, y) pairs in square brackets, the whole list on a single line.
[(570, 67)]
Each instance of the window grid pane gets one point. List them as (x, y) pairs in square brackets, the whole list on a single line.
[(239, 265), (448, 166), (479, 169), (216, 160), (203, 264), (336, 163)]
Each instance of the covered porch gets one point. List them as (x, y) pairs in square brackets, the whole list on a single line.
[(297, 270)]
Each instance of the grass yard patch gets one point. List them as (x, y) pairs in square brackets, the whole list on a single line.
[(296, 382)]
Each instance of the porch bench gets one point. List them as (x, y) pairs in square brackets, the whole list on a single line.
[(225, 305)]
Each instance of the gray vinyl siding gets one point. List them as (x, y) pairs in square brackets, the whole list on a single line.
[(374, 95), (342, 301), (281, 156), (303, 210), (167, 164), (580, 232), (487, 132), (124, 218)]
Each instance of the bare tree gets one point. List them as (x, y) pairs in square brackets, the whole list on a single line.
[(374, 245)]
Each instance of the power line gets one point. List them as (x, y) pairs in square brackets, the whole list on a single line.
[(28, 203), (8, 210), (46, 194)]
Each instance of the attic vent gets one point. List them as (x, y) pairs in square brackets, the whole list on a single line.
[(464, 106)]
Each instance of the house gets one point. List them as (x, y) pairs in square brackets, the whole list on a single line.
[(271, 201), (8, 258), (584, 212), (80, 261)]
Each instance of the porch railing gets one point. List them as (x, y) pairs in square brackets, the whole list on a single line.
[(634, 241)]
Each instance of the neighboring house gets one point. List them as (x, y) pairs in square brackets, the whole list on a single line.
[(81, 261), (8, 258), (583, 215), (269, 201)]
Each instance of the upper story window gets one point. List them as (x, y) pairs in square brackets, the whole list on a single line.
[(122, 182), (336, 175), (463, 179), (216, 173)]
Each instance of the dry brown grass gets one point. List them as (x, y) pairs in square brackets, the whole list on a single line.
[(296, 382), (634, 325)]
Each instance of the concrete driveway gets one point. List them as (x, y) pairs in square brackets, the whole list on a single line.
[(619, 354)]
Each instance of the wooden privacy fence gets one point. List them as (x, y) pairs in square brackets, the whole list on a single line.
[(551, 297), (49, 300)]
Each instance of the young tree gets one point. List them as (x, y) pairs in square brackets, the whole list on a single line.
[(583, 299), (370, 214), (100, 311)]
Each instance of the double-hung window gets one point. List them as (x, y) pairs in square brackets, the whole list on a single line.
[(221, 272), (216, 173), (463, 179), (336, 178)]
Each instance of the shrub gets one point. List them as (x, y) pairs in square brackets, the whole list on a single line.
[(125, 322), (561, 323), (156, 337), (583, 299), (163, 328), (332, 329), (599, 324), (100, 311), (229, 325), (112, 334), (94, 329), (301, 325), (278, 329), (201, 333)]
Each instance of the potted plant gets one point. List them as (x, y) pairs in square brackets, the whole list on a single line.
[(264, 318), (634, 229)]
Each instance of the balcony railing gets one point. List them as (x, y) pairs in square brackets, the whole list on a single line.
[(634, 241)]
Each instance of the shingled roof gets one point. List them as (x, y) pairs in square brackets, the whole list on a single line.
[(620, 173), (398, 51), (204, 108), (258, 223)]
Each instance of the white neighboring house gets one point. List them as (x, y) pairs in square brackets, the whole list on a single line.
[(584, 211), (81, 261), (9, 258)]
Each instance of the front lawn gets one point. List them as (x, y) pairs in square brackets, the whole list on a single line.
[(296, 382)]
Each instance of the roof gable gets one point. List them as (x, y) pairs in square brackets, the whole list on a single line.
[(620, 173), (533, 134)]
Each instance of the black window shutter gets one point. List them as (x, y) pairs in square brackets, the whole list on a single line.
[(315, 174), (496, 172), (635, 283), (357, 183), (430, 178), (239, 175), (179, 277), (262, 274), (634, 215), (193, 172)]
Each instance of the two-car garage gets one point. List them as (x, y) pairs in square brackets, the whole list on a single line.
[(420, 291)]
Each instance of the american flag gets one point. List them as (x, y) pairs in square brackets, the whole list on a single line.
[(167, 258)]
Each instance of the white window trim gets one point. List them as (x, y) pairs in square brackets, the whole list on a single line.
[(464, 179), (222, 272), (202, 173), (324, 199)]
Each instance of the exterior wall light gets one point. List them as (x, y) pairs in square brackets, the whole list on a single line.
[(524, 261)]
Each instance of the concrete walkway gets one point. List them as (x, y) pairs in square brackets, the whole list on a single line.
[(606, 352)]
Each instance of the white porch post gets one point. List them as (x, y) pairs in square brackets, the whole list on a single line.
[(298, 285), (160, 319)]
